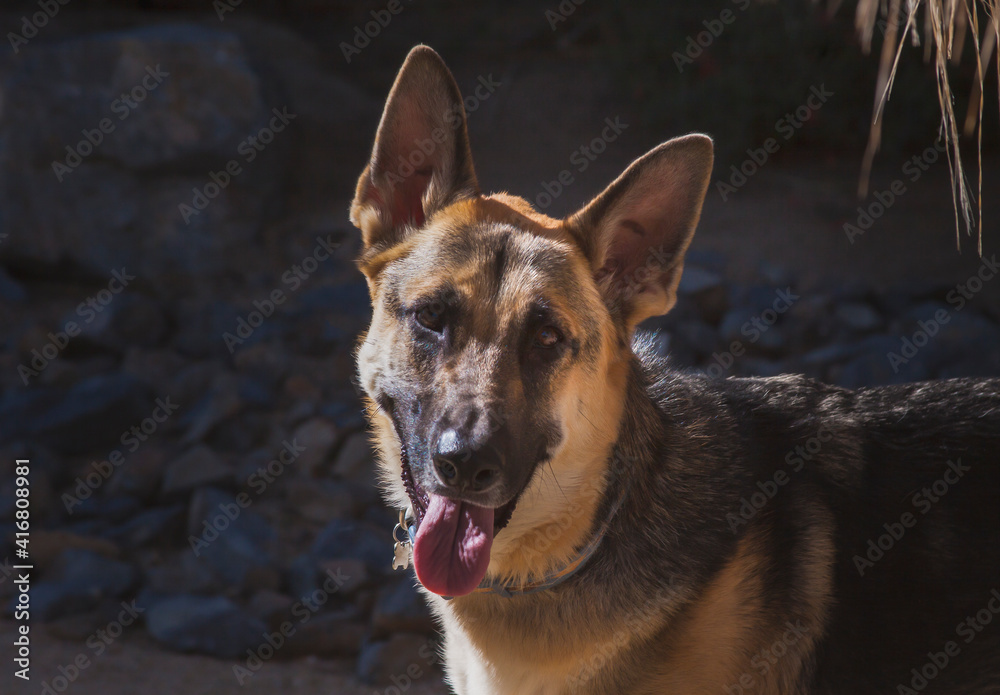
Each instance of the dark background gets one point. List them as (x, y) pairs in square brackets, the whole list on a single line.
[(289, 380)]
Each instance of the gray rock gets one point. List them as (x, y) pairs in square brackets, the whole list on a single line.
[(200, 101), (859, 316), (322, 500), (327, 634), (400, 608), (207, 624), (707, 290), (147, 526), (355, 460), (232, 539), (318, 436), (196, 467), (91, 416), (872, 367), (130, 319), (220, 403), (345, 538), (352, 571), (271, 607), (181, 572), (402, 659), (10, 289), (77, 581), (698, 335)]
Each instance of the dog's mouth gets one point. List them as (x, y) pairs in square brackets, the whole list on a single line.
[(420, 499), (451, 550)]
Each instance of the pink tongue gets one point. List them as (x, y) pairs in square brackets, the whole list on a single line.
[(452, 548)]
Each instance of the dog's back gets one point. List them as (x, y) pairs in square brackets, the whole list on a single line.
[(906, 481)]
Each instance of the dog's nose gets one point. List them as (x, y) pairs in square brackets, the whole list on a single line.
[(461, 467)]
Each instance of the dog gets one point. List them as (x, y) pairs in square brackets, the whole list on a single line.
[(584, 519)]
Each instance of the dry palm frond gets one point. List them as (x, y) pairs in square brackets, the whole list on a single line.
[(946, 25)]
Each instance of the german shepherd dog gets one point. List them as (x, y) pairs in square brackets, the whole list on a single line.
[(583, 519)]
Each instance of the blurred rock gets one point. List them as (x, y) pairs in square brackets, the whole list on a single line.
[(196, 467), (206, 624), (327, 634), (152, 524), (318, 436), (352, 571), (355, 461), (91, 416), (859, 316), (180, 572), (221, 402), (77, 581), (271, 607), (400, 608), (401, 656), (131, 319), (141, 475), (11, 290), (229, 536), (707, 290), (699, 336), (194, 98), (875, 367), (345, 538), (323, 500), (46, 546)]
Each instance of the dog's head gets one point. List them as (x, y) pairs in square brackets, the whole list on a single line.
[(496, 360)]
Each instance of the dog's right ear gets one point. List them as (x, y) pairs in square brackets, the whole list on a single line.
[(421, 161), (636, 232)]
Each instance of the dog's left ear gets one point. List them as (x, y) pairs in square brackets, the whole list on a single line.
[(421, 160), (635, 233)]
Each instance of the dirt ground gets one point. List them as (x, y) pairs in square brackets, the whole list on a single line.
[(135, 664)]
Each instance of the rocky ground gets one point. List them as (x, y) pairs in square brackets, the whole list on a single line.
[(204, 513)]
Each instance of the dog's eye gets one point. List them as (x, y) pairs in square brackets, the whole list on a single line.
[(548, 337), (431, 317)]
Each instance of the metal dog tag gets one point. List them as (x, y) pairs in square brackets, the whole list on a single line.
[(402, 556), (401, 551)]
